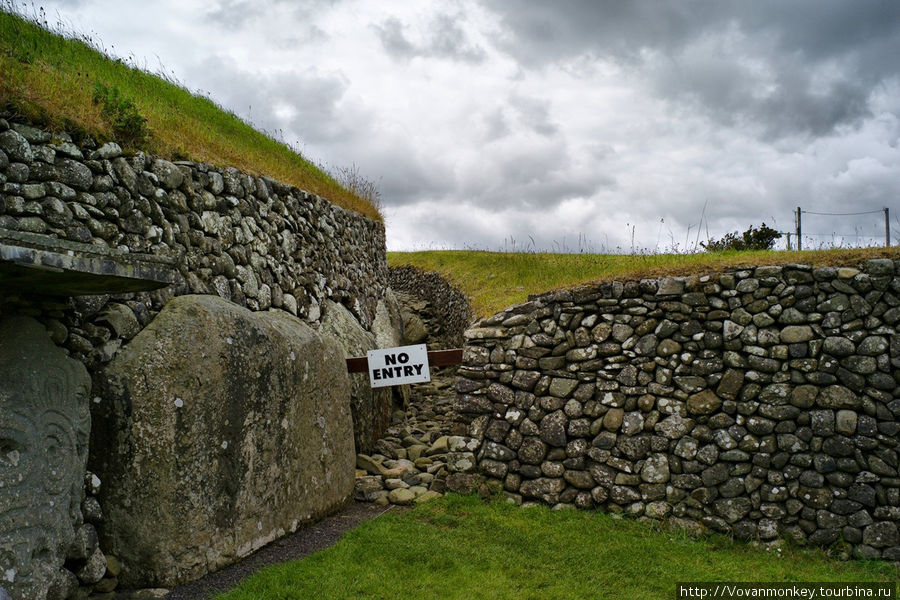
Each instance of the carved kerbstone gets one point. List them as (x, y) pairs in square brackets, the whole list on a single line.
[(44, 432), (219, 430)]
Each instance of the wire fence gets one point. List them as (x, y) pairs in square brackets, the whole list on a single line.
[(879, 232)]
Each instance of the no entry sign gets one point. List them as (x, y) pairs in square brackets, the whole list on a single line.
[(398, 366)]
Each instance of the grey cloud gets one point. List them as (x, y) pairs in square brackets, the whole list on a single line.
[(496, 126), (831, 28), (786, 99), (405, 174), (542, 32), (338, 134), (312, 95), (315, 98), (777, 77), (442, 230), (825, 57), (405, 178), (439, 226), (534, 114), (444, 39), (521, 174), (394, 41), (520, 113), (234, 14), (70, 3), (303, 35), (538, 176), (448, 40), (757, 106), (818, 29), (546, 191)]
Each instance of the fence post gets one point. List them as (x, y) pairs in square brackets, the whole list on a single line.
[(887, 227), (799, 230)]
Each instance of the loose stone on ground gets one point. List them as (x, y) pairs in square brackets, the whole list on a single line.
[(415, 461)]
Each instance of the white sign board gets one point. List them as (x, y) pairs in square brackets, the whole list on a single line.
[(398, 366)]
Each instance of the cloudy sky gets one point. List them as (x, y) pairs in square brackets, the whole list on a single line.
[(596, 125)]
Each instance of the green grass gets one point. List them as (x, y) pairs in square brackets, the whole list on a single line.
[(52, 80), (462, 547), (496, 280)]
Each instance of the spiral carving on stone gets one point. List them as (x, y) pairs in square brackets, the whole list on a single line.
[(44, 432)]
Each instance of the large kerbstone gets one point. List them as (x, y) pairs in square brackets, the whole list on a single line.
[(44, 432), (371, 408), (217, 431)]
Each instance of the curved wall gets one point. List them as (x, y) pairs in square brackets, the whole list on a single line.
[(759, 402), (447, 310)]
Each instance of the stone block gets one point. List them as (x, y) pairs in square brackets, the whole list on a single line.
[(703, 403), (794, 334), (218, 430), (838, 397)]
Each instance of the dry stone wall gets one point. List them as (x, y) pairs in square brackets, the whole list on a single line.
[(248, 239), (442, 308), (761, 402)]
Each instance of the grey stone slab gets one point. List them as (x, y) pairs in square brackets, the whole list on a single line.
[(38, 263)]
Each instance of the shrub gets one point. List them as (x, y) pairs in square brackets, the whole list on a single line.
[(128, 126), (762, 238)]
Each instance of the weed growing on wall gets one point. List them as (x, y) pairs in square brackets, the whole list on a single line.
[(351, 179)]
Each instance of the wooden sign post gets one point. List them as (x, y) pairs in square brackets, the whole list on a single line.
[(393, 366), (398, 366)]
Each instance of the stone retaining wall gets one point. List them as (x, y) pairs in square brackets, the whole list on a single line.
[(251, 240), (759, 402), (448, 311)]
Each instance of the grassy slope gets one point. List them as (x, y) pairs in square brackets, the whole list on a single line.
[(460, 547), (495, 280), (50, 80)]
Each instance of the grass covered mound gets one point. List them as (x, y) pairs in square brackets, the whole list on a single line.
[(461, 547), (496, 280), (66, 84)]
